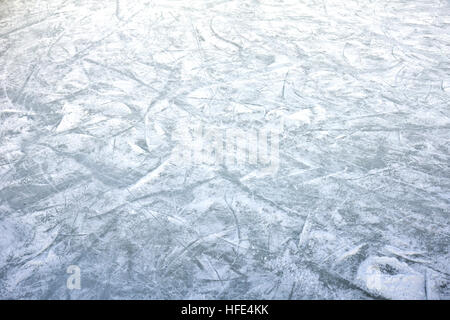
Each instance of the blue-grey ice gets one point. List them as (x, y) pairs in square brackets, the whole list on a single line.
[(103, 169)]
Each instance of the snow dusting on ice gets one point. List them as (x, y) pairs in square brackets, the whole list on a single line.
[(119, 121)]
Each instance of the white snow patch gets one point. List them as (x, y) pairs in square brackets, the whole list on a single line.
[(73, 115), (301, 116), (391, 278)]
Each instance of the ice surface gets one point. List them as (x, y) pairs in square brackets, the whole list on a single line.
[(93, 100)]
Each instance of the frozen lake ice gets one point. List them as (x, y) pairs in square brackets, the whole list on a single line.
[(116, 149)]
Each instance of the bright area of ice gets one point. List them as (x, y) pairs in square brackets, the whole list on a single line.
[(91, 92)]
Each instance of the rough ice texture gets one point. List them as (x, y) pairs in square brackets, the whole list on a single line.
[(358, 209)]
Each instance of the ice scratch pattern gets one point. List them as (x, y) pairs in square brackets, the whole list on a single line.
[(358, 209)]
